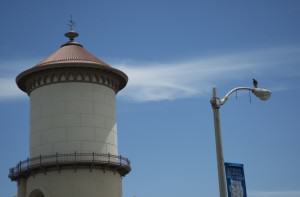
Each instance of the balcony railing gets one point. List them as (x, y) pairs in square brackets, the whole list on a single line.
[(70, 160)]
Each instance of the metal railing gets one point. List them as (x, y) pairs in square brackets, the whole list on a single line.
[(58, 161)]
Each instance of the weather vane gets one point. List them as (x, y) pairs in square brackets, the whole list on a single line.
[(71, 24)]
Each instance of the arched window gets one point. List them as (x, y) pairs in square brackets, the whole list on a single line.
[(36, 193)]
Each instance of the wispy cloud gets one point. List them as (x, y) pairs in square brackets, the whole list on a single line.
[(8, 89), (188, 78), (274, 194), (8, 72), (156, 81)]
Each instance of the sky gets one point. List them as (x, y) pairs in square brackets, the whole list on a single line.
[(174, 53)]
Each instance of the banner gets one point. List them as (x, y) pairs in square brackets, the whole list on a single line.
[(235, 178)]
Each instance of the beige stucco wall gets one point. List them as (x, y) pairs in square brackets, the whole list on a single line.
[(21, 187), (79, 183), (69, 117)]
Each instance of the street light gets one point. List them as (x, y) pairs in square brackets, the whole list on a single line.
[(216, 103)]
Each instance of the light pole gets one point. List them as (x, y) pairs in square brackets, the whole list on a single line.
[(216, 103)]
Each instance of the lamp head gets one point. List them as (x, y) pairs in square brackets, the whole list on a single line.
[(262, 94)]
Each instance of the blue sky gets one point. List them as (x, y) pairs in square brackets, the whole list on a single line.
[(174, 52)]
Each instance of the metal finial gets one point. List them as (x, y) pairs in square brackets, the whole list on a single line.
[(71, 34), (71, 23)]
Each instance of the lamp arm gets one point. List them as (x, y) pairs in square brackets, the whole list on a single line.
[(223, 100)]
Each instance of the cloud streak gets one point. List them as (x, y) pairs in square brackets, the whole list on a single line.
[(8, 71), (157, 81), (183, 79), (8, 89)]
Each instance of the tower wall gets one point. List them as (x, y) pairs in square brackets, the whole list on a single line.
[(73, 117), (79, 183)]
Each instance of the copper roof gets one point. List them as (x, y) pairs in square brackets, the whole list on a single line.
[(71, 52), (69, 55)]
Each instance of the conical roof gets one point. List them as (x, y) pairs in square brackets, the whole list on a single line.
[(71, 52), (72, 56)]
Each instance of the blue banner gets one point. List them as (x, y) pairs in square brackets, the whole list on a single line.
[(235, 178)]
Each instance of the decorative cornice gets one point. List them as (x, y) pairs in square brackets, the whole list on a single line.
[(37, 77)]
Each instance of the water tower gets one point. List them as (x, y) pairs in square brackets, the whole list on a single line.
[(73, 132)]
